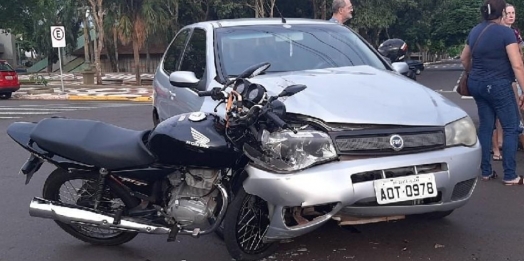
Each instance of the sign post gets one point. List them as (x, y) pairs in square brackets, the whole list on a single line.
[(58, 41)]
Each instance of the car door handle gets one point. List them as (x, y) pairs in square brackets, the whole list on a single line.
[(172, 93)]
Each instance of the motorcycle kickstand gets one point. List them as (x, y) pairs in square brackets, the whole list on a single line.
[(173, 233)]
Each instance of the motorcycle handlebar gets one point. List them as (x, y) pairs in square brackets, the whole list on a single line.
[(216, 94), (205, 93), (277, 120)]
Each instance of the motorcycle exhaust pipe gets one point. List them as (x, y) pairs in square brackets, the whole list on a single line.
[(72, 214)]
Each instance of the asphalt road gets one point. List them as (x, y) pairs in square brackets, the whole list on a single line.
[(488, 228)]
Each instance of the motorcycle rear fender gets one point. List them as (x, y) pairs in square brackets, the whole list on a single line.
[(20, 133)]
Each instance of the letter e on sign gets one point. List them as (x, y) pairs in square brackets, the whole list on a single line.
[(58, 36)]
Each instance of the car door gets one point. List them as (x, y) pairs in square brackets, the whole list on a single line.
[(164, 95), (193, 60)]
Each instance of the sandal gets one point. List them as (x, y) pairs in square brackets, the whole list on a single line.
[(517, 181), (497, 157), (490, 177)]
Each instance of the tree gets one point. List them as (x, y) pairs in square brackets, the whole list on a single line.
[(138, 20), (98, 12), (17, 16), (54, 12)]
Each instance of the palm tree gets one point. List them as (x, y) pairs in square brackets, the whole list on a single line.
[(138, 20)]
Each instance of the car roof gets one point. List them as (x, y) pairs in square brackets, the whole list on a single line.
[(263, 21)]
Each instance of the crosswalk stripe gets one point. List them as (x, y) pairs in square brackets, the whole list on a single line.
[(25, 110), (37, 109)]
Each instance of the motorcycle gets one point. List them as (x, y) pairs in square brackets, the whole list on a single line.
[(394, 50), (183, 177)]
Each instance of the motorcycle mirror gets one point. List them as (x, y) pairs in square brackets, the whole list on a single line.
[(292, 90), (254, 70), (279, 108)]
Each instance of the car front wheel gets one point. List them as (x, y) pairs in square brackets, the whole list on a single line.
[(5, 96)]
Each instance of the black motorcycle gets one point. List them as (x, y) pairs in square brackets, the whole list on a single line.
[(395, 50), (179, 178)]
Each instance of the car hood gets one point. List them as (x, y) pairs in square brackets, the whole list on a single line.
[(362, 95)]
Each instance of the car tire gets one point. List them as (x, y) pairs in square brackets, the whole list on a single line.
[(156, 119), (6, 96)]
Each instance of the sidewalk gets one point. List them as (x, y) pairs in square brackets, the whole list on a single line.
[(115, 87), (85, 92)]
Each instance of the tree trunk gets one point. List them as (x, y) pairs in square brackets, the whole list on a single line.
[(49, 65), (115, 42), (110, 53), (271, 7), (377, 38), (259, 8), (148, 58), (137, 60), (98, 13), (315, 9), (87, 57), (90, 46), (324, 10)]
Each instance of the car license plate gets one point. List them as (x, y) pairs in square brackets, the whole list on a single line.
[(400, 189), (9, 77)]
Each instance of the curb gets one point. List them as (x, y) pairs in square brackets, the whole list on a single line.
[(108, 98), (82, 98)]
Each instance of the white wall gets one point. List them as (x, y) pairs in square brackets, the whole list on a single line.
[(8, 41)]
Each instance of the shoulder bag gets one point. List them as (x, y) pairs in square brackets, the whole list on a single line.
[(462, 88)]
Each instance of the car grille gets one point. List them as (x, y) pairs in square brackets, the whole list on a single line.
[(462, 189), (398, 172), (348, 143)]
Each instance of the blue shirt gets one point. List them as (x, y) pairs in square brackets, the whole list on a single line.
[(490, 59), (334, 20)]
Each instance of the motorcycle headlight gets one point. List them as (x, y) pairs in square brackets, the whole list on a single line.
[(461, 132), (286, 151)]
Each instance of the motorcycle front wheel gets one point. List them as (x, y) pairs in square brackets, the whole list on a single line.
[(79, 188), (245, 224)]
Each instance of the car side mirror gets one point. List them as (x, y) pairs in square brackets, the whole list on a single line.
[(400, 67), (183, 79)]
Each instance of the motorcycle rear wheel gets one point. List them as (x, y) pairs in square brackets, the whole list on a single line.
[(245, 224), (51, 191)]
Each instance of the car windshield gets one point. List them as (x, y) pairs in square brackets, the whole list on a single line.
[(5, 67), (292, 48)]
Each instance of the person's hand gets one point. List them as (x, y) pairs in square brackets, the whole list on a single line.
[(521, 102)]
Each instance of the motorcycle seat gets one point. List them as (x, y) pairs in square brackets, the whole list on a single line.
[(93, 142)]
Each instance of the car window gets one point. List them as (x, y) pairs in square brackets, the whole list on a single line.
[(5, 67), (174, 52), (194, 59), (293, 48)]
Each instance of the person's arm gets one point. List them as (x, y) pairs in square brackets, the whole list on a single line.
[(465, 57), (515, 58)]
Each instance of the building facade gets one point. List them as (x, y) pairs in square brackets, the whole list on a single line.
[(8, 48)]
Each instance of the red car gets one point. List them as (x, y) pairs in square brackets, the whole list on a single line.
[(8, 80)]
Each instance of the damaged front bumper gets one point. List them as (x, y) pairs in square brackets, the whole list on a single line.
[(347, 188)]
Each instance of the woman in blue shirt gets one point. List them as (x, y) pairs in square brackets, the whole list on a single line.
[(508, 20), (493, 61)]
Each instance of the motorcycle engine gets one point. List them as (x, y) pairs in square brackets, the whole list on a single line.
[(192, 196)]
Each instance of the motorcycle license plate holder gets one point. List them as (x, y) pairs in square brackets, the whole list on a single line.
[(30, 167)]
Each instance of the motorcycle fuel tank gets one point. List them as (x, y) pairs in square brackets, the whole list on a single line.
[(192, 139)]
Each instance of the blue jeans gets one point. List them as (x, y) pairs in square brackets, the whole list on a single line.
[(496, 99)]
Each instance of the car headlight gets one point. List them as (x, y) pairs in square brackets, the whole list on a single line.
[(286, 151), (461, 132)]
